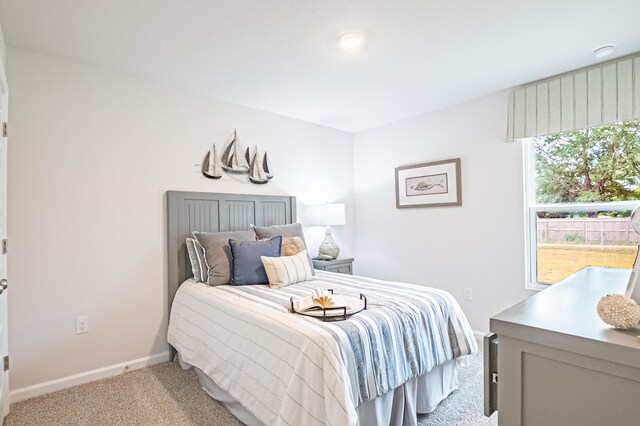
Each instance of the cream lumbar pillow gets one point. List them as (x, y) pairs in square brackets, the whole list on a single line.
[(285, 270)]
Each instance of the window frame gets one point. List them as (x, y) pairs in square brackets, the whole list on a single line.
[(531, 209)]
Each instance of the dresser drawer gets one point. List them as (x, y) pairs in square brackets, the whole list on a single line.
[(340, 265)]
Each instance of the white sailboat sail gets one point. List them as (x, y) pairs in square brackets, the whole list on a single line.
[(256, 171), (227, 148), (233, 159), (266, 166), (211, 166), (247, 156)]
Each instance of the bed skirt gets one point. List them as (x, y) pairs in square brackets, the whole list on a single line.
[(398, 407)]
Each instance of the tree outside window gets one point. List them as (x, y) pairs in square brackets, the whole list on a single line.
[(585, 184)]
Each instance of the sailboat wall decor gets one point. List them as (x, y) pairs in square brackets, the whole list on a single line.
[(257, 173), (236, 161), (233, 159), (211, 165)]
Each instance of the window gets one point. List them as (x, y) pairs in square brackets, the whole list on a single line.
[(580, 189)]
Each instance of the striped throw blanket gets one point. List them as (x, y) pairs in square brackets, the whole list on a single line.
[(289, 369)]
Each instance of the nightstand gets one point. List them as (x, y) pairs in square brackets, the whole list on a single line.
[(342, 265)]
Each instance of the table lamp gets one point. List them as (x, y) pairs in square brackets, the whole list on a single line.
[(327, 215)]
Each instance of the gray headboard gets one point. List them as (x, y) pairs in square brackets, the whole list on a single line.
[(210, 212)]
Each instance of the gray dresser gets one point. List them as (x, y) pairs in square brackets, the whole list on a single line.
[(557, 363), (343, 265)]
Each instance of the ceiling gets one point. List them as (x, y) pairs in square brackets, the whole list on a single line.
[(281, 55)]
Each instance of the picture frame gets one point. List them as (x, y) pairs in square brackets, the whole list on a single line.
[(433, 184)]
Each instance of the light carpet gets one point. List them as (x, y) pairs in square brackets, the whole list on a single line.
[(165, 394), (465, 406)]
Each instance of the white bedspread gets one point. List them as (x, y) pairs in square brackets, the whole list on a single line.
[(288, 369)]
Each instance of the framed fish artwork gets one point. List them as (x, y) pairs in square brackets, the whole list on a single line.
[(434, 184)]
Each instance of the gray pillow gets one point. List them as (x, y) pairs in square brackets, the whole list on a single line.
[(196, 257), (292, 230), (217, 253)]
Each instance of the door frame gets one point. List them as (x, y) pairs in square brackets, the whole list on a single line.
[(4, 93)]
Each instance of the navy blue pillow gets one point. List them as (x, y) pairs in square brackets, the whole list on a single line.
[(247, 266)]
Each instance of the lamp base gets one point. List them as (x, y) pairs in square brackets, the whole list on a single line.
[(328, 249)]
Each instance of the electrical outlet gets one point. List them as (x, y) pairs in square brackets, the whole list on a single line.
[(82, 325), (468, 293)]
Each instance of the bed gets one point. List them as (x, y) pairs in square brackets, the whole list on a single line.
[(269, 366)]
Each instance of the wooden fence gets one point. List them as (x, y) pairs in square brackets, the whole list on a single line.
[(601, 231)]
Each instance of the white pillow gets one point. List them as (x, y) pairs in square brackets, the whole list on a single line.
[(196, 256), (285, 270)]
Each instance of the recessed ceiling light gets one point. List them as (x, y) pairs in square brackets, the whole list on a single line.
[(351, 41), (604, 51)]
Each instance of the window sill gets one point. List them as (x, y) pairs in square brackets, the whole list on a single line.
[(537, 286)]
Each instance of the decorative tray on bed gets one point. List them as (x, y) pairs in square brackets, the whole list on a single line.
[(351, 306)]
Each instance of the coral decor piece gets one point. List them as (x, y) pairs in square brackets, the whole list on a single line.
[(619, 311)]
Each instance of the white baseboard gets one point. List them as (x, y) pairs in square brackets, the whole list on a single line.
[(85, 377), (110, 371)]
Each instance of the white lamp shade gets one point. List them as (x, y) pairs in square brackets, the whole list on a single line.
[(326, 214)]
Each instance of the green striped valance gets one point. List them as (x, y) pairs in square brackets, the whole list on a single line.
[(602, 94)]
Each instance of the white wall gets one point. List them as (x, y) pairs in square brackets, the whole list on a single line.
[(479, 244), (3, 50), (91, 155)]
